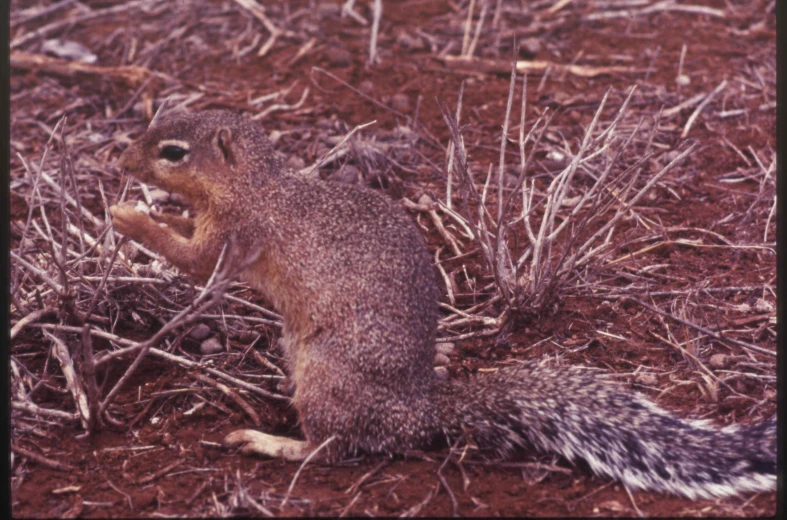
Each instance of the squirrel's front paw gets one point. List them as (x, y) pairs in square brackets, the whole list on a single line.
[(129, 221)]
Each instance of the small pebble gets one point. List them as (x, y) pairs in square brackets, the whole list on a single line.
[(510, 180), (211, 346), (683, 80), (719, 360), (671, 155), (743, 307), (441, 360), (647, 379), (247, 336), (763, 306), (200, 332), (69, 50), (296, 163), (441, 372), (425, 200), (400, 102), (445, 348), (328, 9), (349, 174), (570, 202), (339, 57), (556, 156), (531, 46), (408, 41), (366, 86)]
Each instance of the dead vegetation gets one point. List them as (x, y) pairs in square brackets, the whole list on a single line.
[(633, 199)]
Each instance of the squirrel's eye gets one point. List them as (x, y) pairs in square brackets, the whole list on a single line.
[(173, 153)]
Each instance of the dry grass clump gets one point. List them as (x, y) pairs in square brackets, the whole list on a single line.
[(538, 242)]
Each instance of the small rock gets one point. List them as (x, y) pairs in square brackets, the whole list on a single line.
[(425, 200), (558, 157), (400, 102), (339, 57), (612, 505), (490, 52), (670, 156), (445, 348), (247, 336), (509, 179), (570, 202), (408, 41), (366, 86), (349, 174), (441, 372), (719, 360), (325, 123), (69, 50), (211, 346), (328, 9), (296, 163), (200, 332), (531, 46), (563, 98), (441, 359), (743, 307), (647, 379), (763, 306), (683, 80)]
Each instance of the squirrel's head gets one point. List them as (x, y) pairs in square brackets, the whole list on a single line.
[(203, 156)]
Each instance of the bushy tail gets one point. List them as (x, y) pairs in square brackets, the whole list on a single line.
[(579, 414)]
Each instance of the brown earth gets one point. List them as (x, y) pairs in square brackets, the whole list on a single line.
[(160, 459)]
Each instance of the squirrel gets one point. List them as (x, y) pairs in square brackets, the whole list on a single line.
[(350, 274)]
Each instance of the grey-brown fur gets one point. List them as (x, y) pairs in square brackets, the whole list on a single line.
[(351, 276)]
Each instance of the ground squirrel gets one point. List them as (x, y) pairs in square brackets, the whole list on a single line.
[(352, 278)]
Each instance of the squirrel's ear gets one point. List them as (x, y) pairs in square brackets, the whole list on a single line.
[(223, 141)]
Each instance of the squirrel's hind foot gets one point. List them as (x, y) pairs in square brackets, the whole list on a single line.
[(252, 442)]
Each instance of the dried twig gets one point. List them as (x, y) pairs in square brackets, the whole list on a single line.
[(311, 455), (310, 171), (500, 67), (377, 12), (702, 105), (131, 74)]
